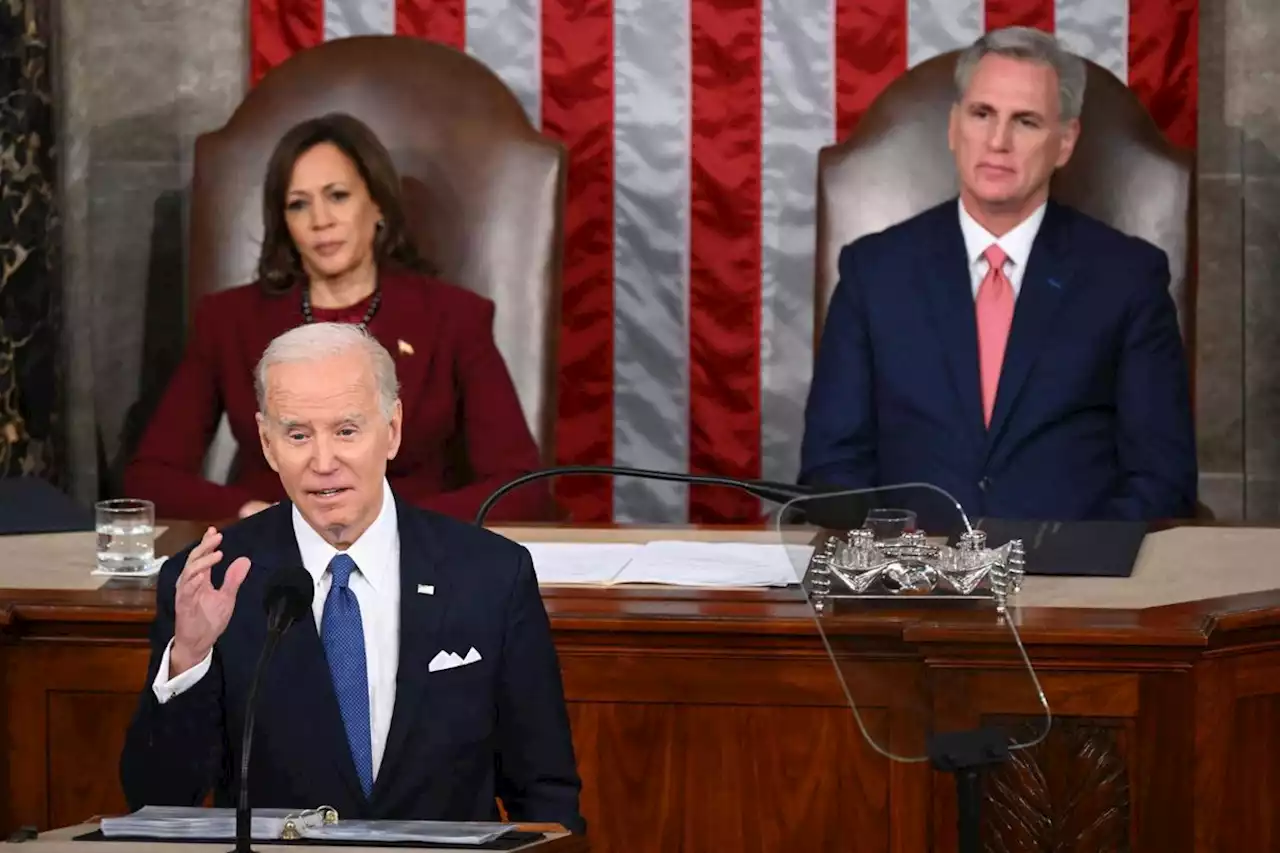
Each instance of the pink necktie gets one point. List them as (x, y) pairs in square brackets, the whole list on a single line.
[(995, 315)]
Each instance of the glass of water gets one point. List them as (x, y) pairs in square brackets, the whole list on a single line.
[(126, 535), (888, 524)]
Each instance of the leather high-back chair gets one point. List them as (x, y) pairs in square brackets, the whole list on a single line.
[(483, 189), (897, 164)]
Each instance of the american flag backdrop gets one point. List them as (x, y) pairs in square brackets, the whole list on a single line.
[(693, 128)]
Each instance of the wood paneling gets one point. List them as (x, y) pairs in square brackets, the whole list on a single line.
[(1069, 793), (713, 720), (1252, 821), (83, 781)]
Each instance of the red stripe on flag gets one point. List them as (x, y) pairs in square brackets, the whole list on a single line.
[(1163, 63), (870, 52), (1020, 13), (280, 28), (577, 109), (724, 255), (444, 21)]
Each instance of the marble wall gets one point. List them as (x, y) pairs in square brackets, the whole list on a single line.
[(140, 78), (32, 371), (1238, 334)]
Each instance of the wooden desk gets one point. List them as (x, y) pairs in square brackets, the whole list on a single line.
[(713, 720), (63, 841)]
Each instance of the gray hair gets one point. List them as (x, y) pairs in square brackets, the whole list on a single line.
[(1034, 46), (315, 341)]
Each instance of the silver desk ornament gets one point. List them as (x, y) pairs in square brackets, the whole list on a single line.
[(857, 565)]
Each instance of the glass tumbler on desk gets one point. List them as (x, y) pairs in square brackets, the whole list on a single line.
[(126, 530), (889, 524)]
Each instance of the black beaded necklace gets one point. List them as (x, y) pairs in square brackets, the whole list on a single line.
[(368, 314)]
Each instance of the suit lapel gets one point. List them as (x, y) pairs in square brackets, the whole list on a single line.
[(408, 331), (1046, 280), (421, 613), (299, 665), (949, 295)]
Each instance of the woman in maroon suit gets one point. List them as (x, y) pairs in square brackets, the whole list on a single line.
[(336, 248)]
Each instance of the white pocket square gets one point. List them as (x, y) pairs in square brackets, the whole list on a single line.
[(449, 660)]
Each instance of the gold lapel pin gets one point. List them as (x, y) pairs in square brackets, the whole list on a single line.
[(404, 347)]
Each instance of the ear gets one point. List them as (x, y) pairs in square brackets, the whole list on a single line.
[(953, 126), (264, 438), (1070, 135), (397, 421)]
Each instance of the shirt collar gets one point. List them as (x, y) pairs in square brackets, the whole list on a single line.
[(373, 552), (1016, 244)]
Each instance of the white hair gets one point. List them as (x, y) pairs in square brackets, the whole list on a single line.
[(315, 341), (1034, 46)]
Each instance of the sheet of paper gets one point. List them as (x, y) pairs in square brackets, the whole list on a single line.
[(716, 564), (580, 562)]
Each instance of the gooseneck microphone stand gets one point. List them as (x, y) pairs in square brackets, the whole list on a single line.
[(778, 493), (287, 599)]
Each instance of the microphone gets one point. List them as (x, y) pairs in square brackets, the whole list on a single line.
[(287, 599), (769, 490)]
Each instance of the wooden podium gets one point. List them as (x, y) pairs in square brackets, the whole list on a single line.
[(555, 840), (713, 720)]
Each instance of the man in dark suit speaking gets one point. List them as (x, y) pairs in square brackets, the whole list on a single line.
[(427, 683), (1011, 350)]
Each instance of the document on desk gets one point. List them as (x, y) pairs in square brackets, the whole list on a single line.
[(669, 562), (180, 822), (192, 822), (593, 563), (711, 564)]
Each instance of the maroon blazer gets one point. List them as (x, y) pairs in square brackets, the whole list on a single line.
[(464, 431)]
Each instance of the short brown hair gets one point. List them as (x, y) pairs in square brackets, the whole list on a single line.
[(279, 266)]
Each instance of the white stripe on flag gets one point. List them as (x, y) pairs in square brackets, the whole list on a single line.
[(937, 26), (1097, 30), (798, 75), (344, 18), (650, 259), (506, 35)]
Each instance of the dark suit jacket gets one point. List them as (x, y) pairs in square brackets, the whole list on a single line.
[(464, 431), (1092, 417), (458, 736)]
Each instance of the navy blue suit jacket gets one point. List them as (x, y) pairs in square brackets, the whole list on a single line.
[(1092, 417), (458, 738)]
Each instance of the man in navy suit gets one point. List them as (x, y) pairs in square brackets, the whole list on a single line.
[(427, 683), (1016, 353)]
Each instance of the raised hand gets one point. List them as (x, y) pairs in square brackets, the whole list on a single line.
[(201, 612)]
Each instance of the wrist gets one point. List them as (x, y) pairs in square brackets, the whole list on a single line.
[(183, 658)]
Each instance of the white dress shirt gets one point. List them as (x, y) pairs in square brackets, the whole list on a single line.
[(1016, 245), (376, 585)]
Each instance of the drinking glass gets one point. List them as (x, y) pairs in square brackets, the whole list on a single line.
[(126, 535), (889, 524)]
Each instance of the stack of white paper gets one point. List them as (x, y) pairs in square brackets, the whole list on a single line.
[(670, 562), (193, 822), (268, 825), (409, 831)]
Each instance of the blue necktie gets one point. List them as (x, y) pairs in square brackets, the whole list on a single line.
[(343, 637)]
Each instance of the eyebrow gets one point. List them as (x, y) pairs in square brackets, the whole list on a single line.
[(329, 186), (349, 418), (1019, 114)]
